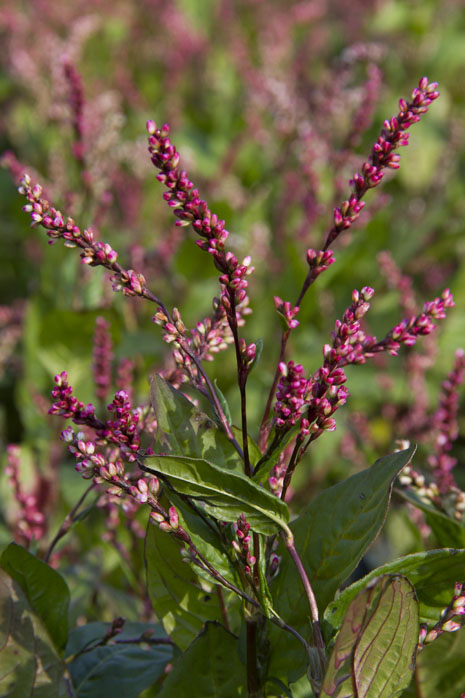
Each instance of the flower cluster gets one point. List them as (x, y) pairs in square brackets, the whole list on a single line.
[(291, 394), (382, 155), (101, 366), (242, 544), (76, 103), (320, 396), (190, 209), (30, 521), (444, 422), (445, 624), (121, 431), (287, 313), (94, 252)]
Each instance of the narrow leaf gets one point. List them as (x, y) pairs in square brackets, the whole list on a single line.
[(223, 494), (210, 668), (331, 535), (448, 531), (432, 573), (374, 653), (334, 531), (29, 663), (180, 599), (118, 670), (45, 590)]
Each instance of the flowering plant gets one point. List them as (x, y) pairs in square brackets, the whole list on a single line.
[(250, 599)]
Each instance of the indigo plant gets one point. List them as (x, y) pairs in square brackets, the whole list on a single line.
[(241, 596)]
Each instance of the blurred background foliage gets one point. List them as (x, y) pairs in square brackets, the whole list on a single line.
[(273, 105)]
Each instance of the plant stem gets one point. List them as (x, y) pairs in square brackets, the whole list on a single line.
[(67, 523), (291, 466), (242, 373), (317, 634), (253, 681), (224, 612)]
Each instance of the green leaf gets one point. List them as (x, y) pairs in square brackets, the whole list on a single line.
[(374, 652), (331, 535), (184, 430), (223, 402), (440, 669), (449, 533), (334, 531), (118, 669), (29, 663), (223, 494), (181, 600), (84, 636), (45, 589), (206, 539), (210, 668), (266, 462), (432, 573)]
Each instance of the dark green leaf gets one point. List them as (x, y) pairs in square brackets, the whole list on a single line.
[(223, 494), (45, 589), (334, 531), (85, 636), (449, 533), (181, 600), (331, 536), (440, 669), (29, 664), (374, 652), (223, 402), (432, 573), (209, 668), (184, 430), (118, 669)]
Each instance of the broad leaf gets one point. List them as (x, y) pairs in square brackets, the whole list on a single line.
[(29, 663), (184, 430), (181, 600), (374, 652), (336, 528), (440, 669), (331, 535), (223, 494), (86, 636), (45, 590), (432, 573), (449, 533), (118, 669), (209, 668)]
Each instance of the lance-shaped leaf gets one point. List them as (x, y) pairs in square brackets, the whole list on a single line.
[(331, 535), (222, 494), (118, 669), (336, 528), (45, 590), (29, 663), (210, 668), (180, 599), (374, 652), (184, 430), (432, 573), (440, 669), (448, 531)]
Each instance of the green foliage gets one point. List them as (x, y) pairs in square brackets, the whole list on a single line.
[(29, 662), (209, 667), (45, 590), (432, 574), (374, 652)]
